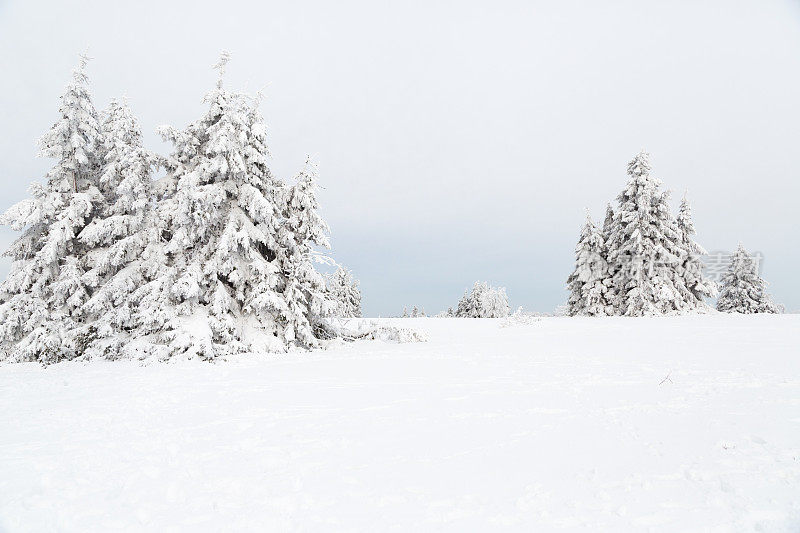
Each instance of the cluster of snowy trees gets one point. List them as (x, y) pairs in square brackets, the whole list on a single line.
[(216, 257), (416, 312), (643, 260), (483, 301)]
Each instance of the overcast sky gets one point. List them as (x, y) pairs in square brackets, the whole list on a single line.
[(456, 140)]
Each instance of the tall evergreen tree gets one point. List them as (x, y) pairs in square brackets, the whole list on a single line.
[(743, 290), (589, 284), (118, 235), (644, 246), (44, 293), (611, 295), (219, 282), (695, 286)]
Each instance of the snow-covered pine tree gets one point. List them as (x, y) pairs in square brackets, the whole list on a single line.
[(405, 312), (589, 282), (644, 247), (743, 290), (415, 312), (302, 230), (696, 286), (468, 306), (343, 290), (43, 293), (214, 286), (119, 234), (611, 295)]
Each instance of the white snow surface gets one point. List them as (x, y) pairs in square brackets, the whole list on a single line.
[(560, 424)]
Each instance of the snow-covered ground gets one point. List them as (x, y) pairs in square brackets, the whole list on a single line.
[(668, 424)]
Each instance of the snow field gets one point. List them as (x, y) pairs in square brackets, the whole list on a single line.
[(566, 424)]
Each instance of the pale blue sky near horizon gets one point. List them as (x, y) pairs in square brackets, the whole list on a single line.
[(456, 141)]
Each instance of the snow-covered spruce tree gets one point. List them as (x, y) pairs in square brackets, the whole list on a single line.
[(415, 312), (611, 295), (644, 248), (483, 301), (213, 285), (743, 290), (305, 295), (695, 286), (119, 234), (589, 283), (44, 293), (343, 290)]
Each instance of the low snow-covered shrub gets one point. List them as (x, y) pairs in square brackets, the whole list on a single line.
[(395, 334), (351, 330), (520, 318)]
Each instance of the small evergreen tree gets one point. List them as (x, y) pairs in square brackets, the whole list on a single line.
[(44, 293), (743, 290), (303, 229), (695, 286), (344, 291), (589, 283)]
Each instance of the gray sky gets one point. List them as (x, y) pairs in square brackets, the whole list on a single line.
[(456, 140)]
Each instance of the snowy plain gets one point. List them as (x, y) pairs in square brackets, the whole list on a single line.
[(565, 424)]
